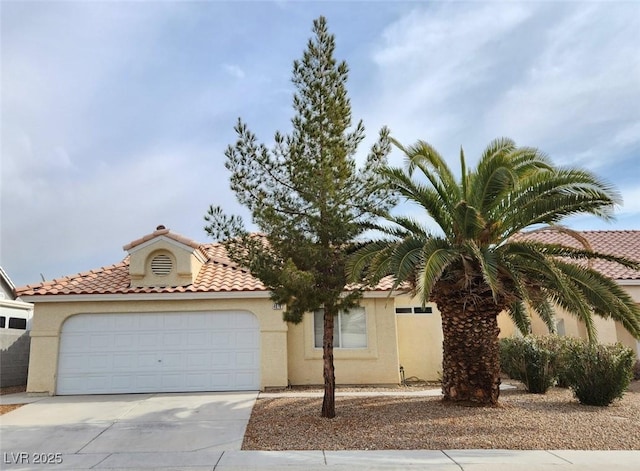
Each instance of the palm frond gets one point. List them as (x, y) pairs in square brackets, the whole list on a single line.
[(520, 317), (437, 255), (489, 263), (604, 296), (433, 200)]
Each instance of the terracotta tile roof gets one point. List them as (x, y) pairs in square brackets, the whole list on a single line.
[(218, 275), (162, 231), (621, 243)]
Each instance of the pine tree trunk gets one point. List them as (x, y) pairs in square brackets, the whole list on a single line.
[(471, 356), (329, 401)]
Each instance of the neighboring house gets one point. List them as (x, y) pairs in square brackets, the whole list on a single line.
[(176, 315), (15, 321), (620, 243)]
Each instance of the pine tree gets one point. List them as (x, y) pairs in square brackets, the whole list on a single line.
[(307, 196)]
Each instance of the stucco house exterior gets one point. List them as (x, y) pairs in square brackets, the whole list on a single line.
[(177, 315), (620, 243), (15, 322)]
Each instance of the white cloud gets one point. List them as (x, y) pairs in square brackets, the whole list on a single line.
[(234, 71), (433, 60), (82, 219), (631, 201), (562, 77), (115, 115)]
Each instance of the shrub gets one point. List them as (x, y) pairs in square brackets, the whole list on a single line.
[(531, 360), (563, 346), (598, 374), (636, 370)]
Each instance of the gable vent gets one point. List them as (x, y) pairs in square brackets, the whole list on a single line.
[(161, 265)]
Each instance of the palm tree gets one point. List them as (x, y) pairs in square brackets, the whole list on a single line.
[(478, 264)]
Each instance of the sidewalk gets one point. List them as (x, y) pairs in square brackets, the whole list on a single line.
[(432, 460), (317, 460), (314, 460)]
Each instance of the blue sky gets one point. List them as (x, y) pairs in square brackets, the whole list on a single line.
[(115, 115)]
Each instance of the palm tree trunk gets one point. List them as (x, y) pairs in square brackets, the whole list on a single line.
[(329, 401), (471, 355)]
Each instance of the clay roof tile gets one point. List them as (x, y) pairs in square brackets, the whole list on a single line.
[(220, 274)]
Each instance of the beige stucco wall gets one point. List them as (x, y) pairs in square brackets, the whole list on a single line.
[(185, 261), (625, 337), (375, 364), (608, 330), (419, 341), (49, 317), (506, 325)]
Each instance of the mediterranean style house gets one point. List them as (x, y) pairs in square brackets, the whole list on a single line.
[(177, 315)]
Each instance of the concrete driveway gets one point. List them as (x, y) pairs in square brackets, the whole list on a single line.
[(130, 430)]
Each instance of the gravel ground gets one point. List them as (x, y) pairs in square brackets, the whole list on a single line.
[(522, 421), (4, 408)]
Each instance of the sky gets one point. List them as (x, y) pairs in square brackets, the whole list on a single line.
[(115, 115)]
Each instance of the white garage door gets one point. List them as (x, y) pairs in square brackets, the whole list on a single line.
[(159, 352)]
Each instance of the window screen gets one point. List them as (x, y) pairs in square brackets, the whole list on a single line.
[(350, 329)]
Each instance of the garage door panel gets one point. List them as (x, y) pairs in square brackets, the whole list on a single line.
[(74, 363), (123, 341), (122, 383), (195, 321), (171, 340), (100, 362), (98, 383), (148, 382), (149, 340), (146, 322), (245, 359), (219, 359), (197, 339), (75, 343), (198, 360), (157, 352), (147, 361), (128, 323), (173, 360), (124, 361), (197, 380)]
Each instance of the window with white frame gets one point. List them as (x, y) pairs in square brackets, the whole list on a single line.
[(350, 328)]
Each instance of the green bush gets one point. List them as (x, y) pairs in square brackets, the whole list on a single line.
[(598, 374), (531, 360), (563, 346)]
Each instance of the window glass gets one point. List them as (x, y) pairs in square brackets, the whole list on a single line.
[(560, 328), (353, 329), (350, 329), (17, 323), (3, 321), (404, 310), (422, 310)]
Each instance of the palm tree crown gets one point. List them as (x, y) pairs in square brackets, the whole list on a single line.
[(479, 260)]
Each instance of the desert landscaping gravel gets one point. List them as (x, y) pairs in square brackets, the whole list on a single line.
[(521, 421)]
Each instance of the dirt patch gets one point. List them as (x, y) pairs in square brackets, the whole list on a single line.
[(4, 408), (12, 389), (523, 421)]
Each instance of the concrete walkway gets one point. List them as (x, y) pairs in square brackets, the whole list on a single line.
[(317, 460), (204, 432)]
